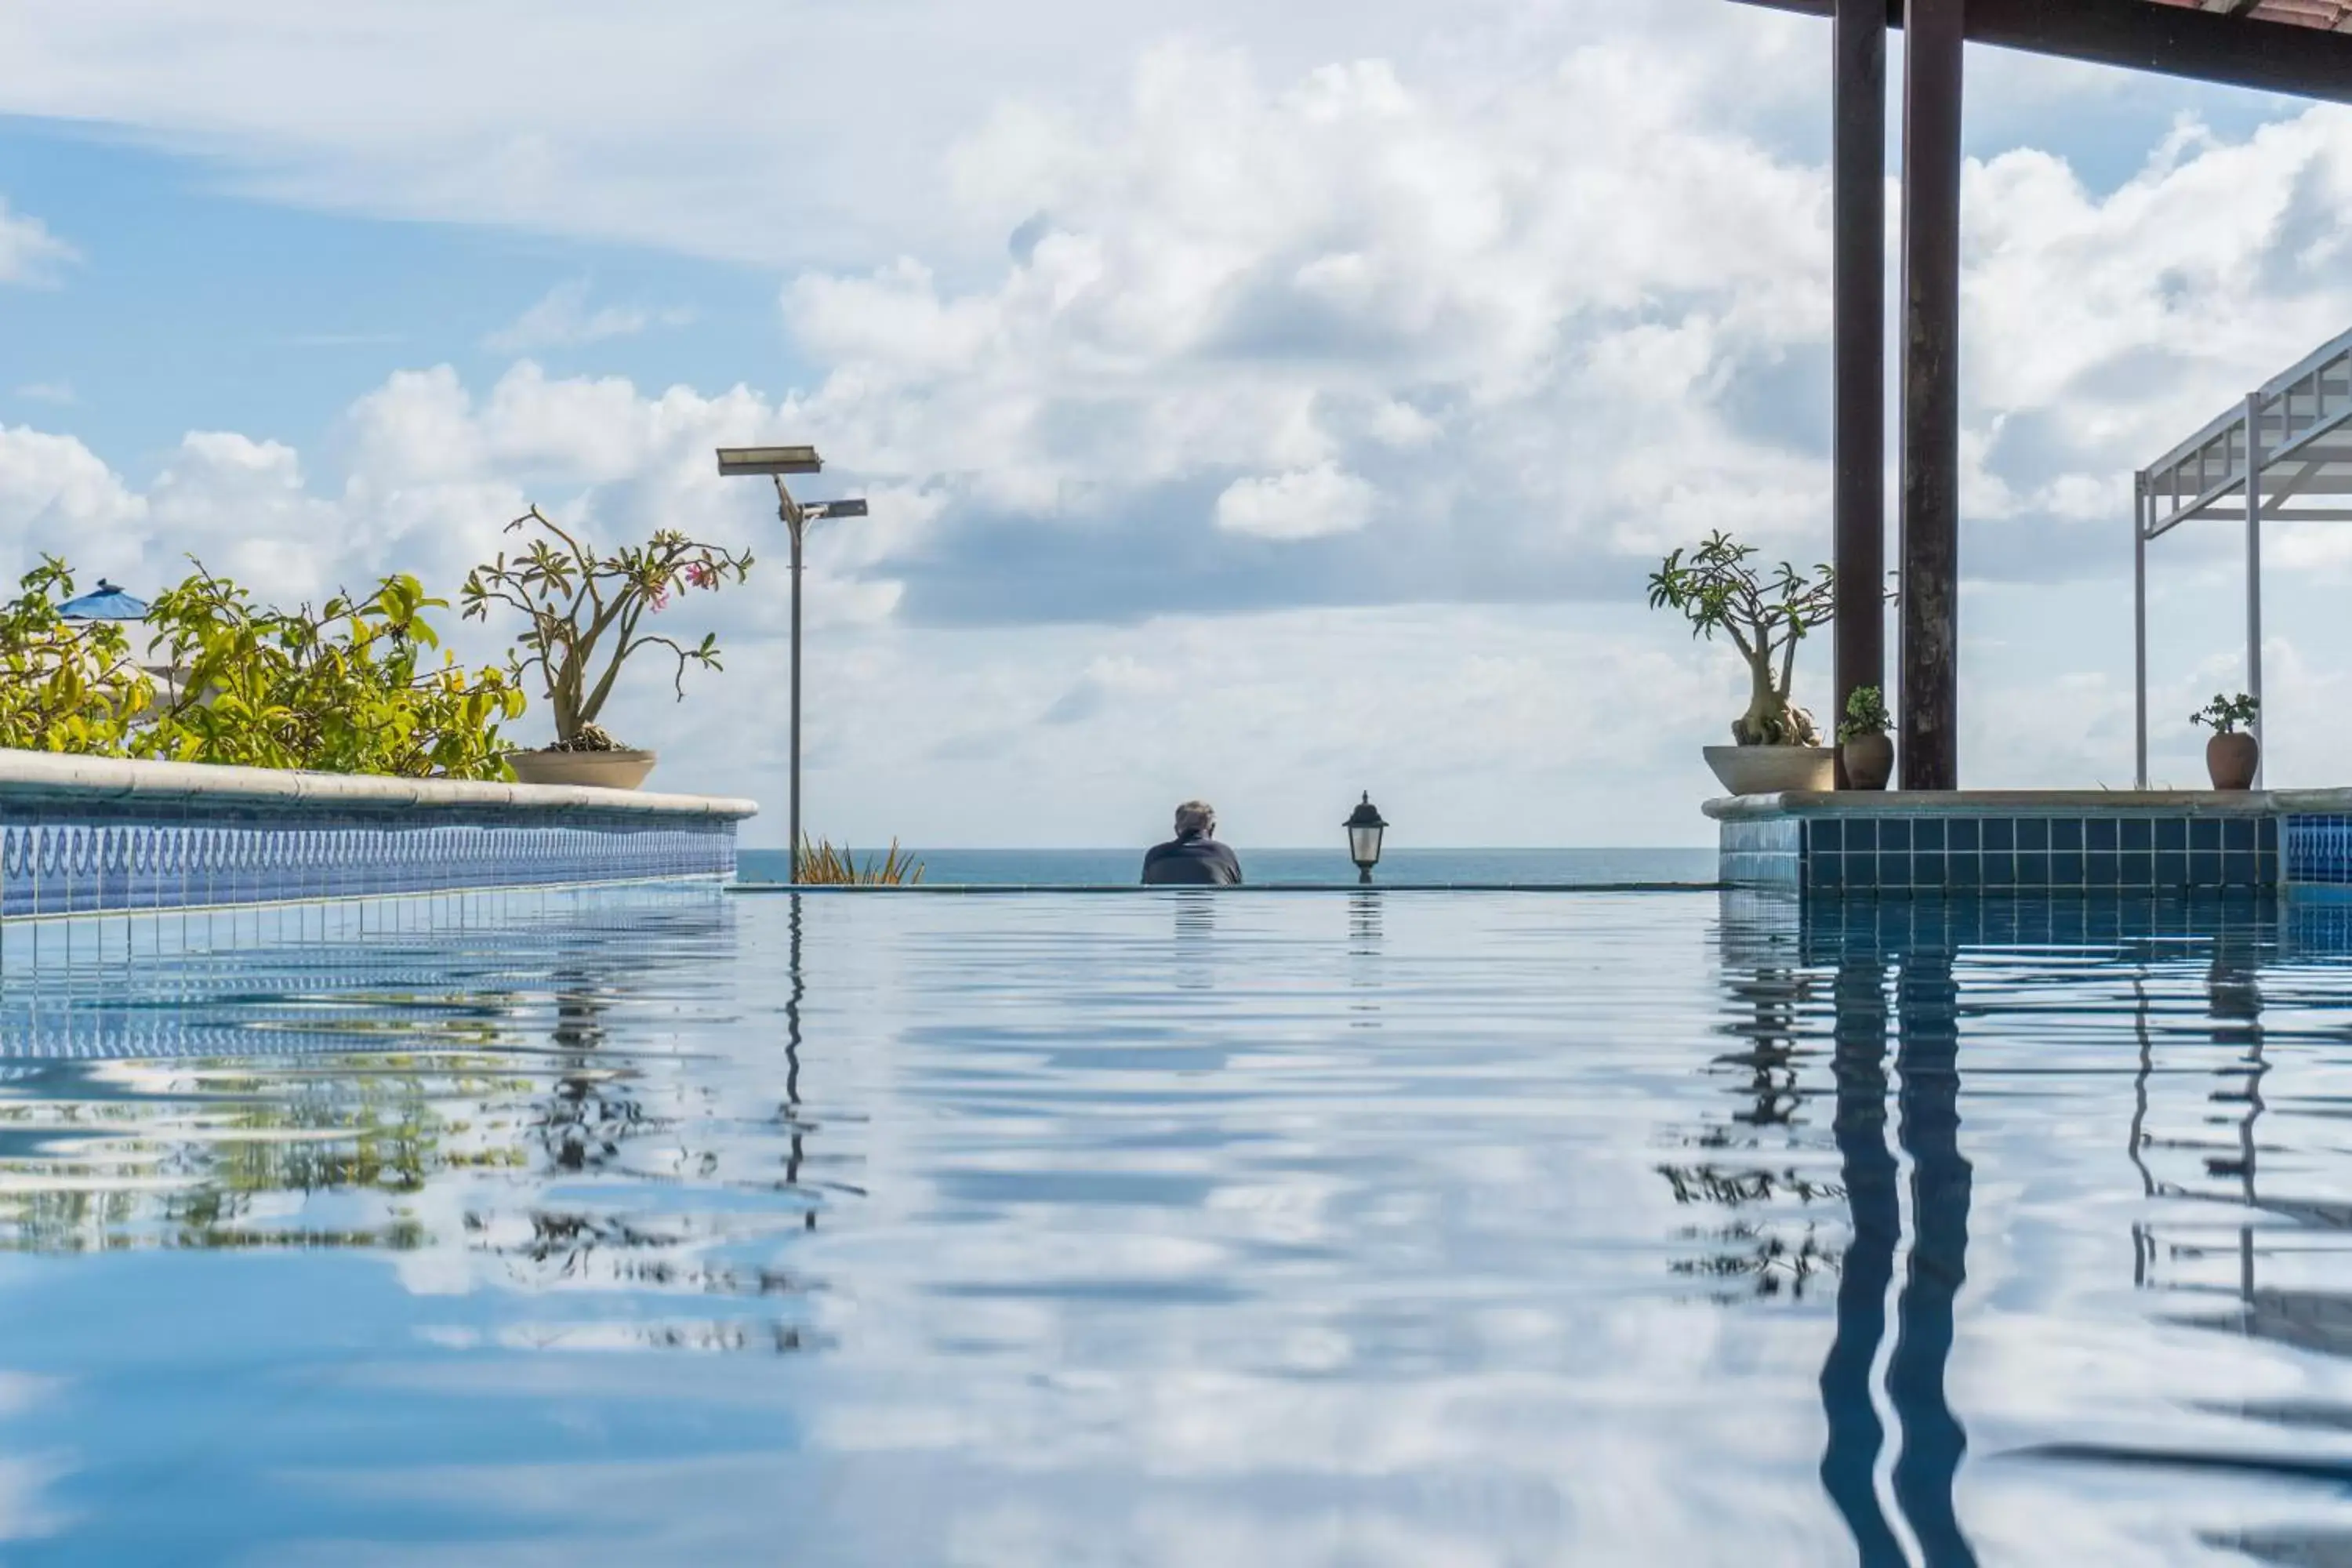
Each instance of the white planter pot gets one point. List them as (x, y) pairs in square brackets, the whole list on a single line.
[(1769, 770), (594, 770)]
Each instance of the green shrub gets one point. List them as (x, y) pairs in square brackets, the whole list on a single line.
[(1865, 714), (65, 686), (352, 687), (2224, 713)]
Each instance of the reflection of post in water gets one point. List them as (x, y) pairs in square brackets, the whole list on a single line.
[(2143, 1240), (1364, 955), (1927, 1011), (1930, 1438), (1849, 1459), (2233, 1000), (796, 1130)]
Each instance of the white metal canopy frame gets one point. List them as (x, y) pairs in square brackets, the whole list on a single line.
[(2285, 455)]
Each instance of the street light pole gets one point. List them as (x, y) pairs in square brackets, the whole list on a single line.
[(799, 529), (776, 462)]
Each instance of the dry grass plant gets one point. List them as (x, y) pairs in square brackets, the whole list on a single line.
[(823, 865)]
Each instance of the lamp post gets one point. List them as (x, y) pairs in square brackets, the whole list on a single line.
[(775, 462), (1364, 829)]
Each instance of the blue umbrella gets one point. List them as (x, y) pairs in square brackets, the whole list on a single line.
[(108, 603)]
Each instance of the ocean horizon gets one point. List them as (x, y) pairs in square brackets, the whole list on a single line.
[(1398, 867)]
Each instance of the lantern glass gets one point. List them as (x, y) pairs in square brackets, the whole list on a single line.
[(1364, 827)]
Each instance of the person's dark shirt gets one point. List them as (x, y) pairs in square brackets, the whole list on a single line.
[(1196, 861)]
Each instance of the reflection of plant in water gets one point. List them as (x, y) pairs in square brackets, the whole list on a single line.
[(1758, 1249), (1756, 1253), (276, 1145), (379, 1127), (1776, 1000), (1709, 1184), (1774, 1249)]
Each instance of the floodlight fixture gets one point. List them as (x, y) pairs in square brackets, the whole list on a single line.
[(738, 460)]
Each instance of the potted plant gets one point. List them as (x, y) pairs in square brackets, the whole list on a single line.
[(1717, 588), (587, 612), (1863, 740), (2232, 755)]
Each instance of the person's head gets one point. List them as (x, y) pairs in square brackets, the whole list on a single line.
[(1196, 818)]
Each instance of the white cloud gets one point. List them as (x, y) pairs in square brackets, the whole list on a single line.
[(57, 497), (56, 392), (1296, 299), (29, 253), (675, 134), (1307, 503), (560, 319)]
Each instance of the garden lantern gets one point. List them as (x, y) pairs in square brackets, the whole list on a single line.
[(1364, 827)]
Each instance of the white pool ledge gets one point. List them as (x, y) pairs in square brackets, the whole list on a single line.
[(52, 778)]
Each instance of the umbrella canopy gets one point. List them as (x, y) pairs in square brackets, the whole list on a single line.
[(106, 602)]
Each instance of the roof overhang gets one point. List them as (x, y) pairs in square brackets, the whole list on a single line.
[(2303, 419), (2275, 46)]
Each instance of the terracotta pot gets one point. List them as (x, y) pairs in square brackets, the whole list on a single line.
[(1869, 760), (595, 770), (2232, 759), (1770, 770)]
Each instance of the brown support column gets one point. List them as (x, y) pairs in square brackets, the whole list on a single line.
[(1929, 718), (1858, 291)]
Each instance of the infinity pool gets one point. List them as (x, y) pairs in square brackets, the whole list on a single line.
[(1178, 1229)]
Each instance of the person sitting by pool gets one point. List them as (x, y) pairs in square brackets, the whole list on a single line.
[(1193, 858)]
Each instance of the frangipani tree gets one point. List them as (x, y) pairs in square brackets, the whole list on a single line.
[(587, 610), (1717, 589)]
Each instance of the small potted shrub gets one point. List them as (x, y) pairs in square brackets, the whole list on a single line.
[(2232, 755), (1863, 740), (587, 612), (1717, 588)]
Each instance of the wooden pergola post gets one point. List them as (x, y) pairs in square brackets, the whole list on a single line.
[(1928, 718), (1858, 264)]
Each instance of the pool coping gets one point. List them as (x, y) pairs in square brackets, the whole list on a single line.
[(54, 778)]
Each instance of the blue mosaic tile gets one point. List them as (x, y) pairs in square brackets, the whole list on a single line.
[(122, 859), (2319, 851), (2059, 854)]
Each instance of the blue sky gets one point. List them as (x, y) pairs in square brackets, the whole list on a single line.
[(1258, 405)]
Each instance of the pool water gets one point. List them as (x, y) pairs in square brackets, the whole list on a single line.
[(1173, 1229), (1399, 866)]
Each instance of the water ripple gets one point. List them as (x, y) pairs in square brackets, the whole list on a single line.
[(1483, 1228)]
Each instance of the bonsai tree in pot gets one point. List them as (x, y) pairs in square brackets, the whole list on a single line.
[(587, 611), (1862, 739), (1719, 587), (2232, 755)]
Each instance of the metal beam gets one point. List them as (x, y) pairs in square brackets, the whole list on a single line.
[(2204, 46), (1858, 287), (2254, 571), (1929, 720), (2139, 630)]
